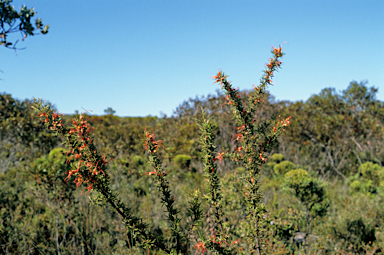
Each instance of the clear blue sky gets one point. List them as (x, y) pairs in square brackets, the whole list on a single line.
[(144, 57)]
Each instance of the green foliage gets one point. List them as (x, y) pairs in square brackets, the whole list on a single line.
[(356, 231), (373, 172), (23, 137), (309, 191), (331, 131), (283, 167), (50, 172), (354, 224), (182, 161), (109, 111), (276, 158), (137, 161), (42, 212), (369, 179), (12, 21)]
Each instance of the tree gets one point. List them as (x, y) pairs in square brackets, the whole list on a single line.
[(12, 21), (332, 132), (109, 111)]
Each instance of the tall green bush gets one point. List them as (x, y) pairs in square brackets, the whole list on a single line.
[(310, 192)]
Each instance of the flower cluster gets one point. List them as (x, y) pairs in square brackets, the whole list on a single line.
[(200, 247), (151, 141), (168, 200), (216, 241), (53, 121), (90, 163), (91, 166), (253, 140)]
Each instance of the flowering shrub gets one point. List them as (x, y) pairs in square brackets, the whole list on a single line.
[(253, 141)]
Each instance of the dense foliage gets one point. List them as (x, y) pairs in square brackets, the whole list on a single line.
[(41, 212), (12, 21), (322, 184), (223, 175)]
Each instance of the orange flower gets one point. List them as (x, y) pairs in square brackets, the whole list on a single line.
[(238, 150), (261, 157), (151, 139), (219, 156), (89, 188), (277, 51), (82, 147), (71, 172), (78, 180), (45, 115), (241, 128), (219, 77), (228, 101), (200, 248), (150, 173), (237, 137), (286, 122), (236, 241)]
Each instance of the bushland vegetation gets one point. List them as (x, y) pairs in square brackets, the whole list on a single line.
[(225, 174)]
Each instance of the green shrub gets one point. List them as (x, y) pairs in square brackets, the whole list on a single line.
[(277, 157), (182, 161), (368, 180), (283, 167), (373, 172), (310, 192), (355, 232), (274, 159), (137, 161)]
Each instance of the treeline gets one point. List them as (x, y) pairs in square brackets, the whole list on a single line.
[(334, 143)]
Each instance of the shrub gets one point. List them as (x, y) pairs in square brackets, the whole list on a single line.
[(283, 167), (310, 192), (137, 161), (368, 180), (277, 158), (252, 140), (182, 161)]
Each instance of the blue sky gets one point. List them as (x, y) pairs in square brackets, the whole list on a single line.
[(145, 57)]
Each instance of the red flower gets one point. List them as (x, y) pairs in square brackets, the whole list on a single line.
[(237, 137), (200, 248), (241, 128), (286, 122), (219, 156), (236, 241), (151, 139), (219, 77), (45, 115), (71, 172), (150, 173), (78, 180), (238, 150), (261, 157), (277, 51)]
